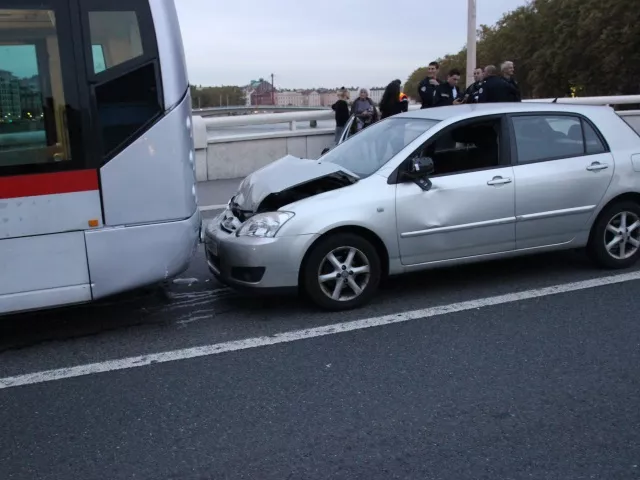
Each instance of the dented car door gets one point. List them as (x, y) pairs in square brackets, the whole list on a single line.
[(461, 215)]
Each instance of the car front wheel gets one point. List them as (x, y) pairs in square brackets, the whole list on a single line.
[(342, 272), (615, 238)]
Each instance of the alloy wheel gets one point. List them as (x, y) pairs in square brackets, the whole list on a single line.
[(344, 274), (622, 235)]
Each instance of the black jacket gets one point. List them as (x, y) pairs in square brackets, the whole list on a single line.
[(393, 107), (341, 108), (473, 92), (512, 81), (444, 95), (496, 89), (427, 91)]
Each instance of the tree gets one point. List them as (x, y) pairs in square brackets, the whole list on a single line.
[(207, 97), (560, 47)]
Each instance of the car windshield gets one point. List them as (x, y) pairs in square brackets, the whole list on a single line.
[(369, 150)]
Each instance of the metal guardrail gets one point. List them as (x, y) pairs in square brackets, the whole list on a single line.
[(292, 118), (204, 112)]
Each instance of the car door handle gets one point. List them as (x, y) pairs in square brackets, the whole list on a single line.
[(595, 166), (498, 181)]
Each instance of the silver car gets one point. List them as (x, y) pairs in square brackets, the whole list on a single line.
[(431, 188)]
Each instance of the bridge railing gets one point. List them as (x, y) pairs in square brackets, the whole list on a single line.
[(221, 154), (209, 111), (294, 117)]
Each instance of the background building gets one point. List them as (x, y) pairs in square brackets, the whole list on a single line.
[(289, 98), (260, 92), (10, 106)]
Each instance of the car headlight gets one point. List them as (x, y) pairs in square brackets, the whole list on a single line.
[(264, 225)]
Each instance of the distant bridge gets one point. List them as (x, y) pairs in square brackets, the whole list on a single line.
[(246, 110)]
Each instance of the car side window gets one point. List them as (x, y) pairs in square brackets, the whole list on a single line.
[(550, 137), (464, 148), (593, 144)]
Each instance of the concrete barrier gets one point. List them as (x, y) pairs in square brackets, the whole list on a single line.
[(236, 156), (632, 117), (200, 142), (231, 157)]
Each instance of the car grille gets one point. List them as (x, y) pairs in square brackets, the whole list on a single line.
[(230, 222)]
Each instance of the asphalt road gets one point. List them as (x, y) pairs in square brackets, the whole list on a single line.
[(540, 388)]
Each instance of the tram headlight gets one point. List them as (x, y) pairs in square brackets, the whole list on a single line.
[(264, 225)]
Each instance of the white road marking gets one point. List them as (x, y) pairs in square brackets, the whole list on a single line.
[(208, 208), (285, 337), (185, 281)]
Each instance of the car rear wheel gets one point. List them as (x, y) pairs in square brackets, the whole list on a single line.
[(615, 237), (342, 272)]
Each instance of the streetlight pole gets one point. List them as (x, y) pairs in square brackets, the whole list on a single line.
[(273, 91), (471, 40)]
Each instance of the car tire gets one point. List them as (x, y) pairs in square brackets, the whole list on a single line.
[(321, 275), (602, 247)]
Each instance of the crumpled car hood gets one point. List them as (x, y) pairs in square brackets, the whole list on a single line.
[(284, 174)]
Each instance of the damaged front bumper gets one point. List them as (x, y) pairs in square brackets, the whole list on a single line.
[(253, 263)]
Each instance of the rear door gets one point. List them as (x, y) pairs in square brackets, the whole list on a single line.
[(562, 167), (48, 196)]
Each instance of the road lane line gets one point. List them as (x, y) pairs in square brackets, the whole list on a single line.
[(292, 336)]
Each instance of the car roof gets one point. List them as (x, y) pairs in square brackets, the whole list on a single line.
[(480, 109)]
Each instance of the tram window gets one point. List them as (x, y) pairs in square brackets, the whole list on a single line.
[(127, 102), (125, 105), (32, 101), (115, 37), (99, 64)]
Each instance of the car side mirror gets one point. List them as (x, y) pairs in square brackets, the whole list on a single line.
[(419, 170)]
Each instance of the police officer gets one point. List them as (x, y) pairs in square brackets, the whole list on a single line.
[(448, 93), (472, 93), (427, 87), (495, 89)]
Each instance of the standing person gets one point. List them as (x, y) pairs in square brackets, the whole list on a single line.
[(495, 89), (508, 70), (364, 110), (391, 104), (472, 93), (341, 107), (427, 87), (404, 98), (448, 93)]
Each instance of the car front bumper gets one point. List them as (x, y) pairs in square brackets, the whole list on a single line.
[(254, 263)]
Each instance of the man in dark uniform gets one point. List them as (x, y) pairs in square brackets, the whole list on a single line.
[(473, 91), (496, 89), (448, 93), (427, 87)]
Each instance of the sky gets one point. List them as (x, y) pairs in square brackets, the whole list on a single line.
[(332, 43)]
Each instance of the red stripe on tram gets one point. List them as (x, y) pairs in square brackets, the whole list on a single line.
[(48, 183)]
